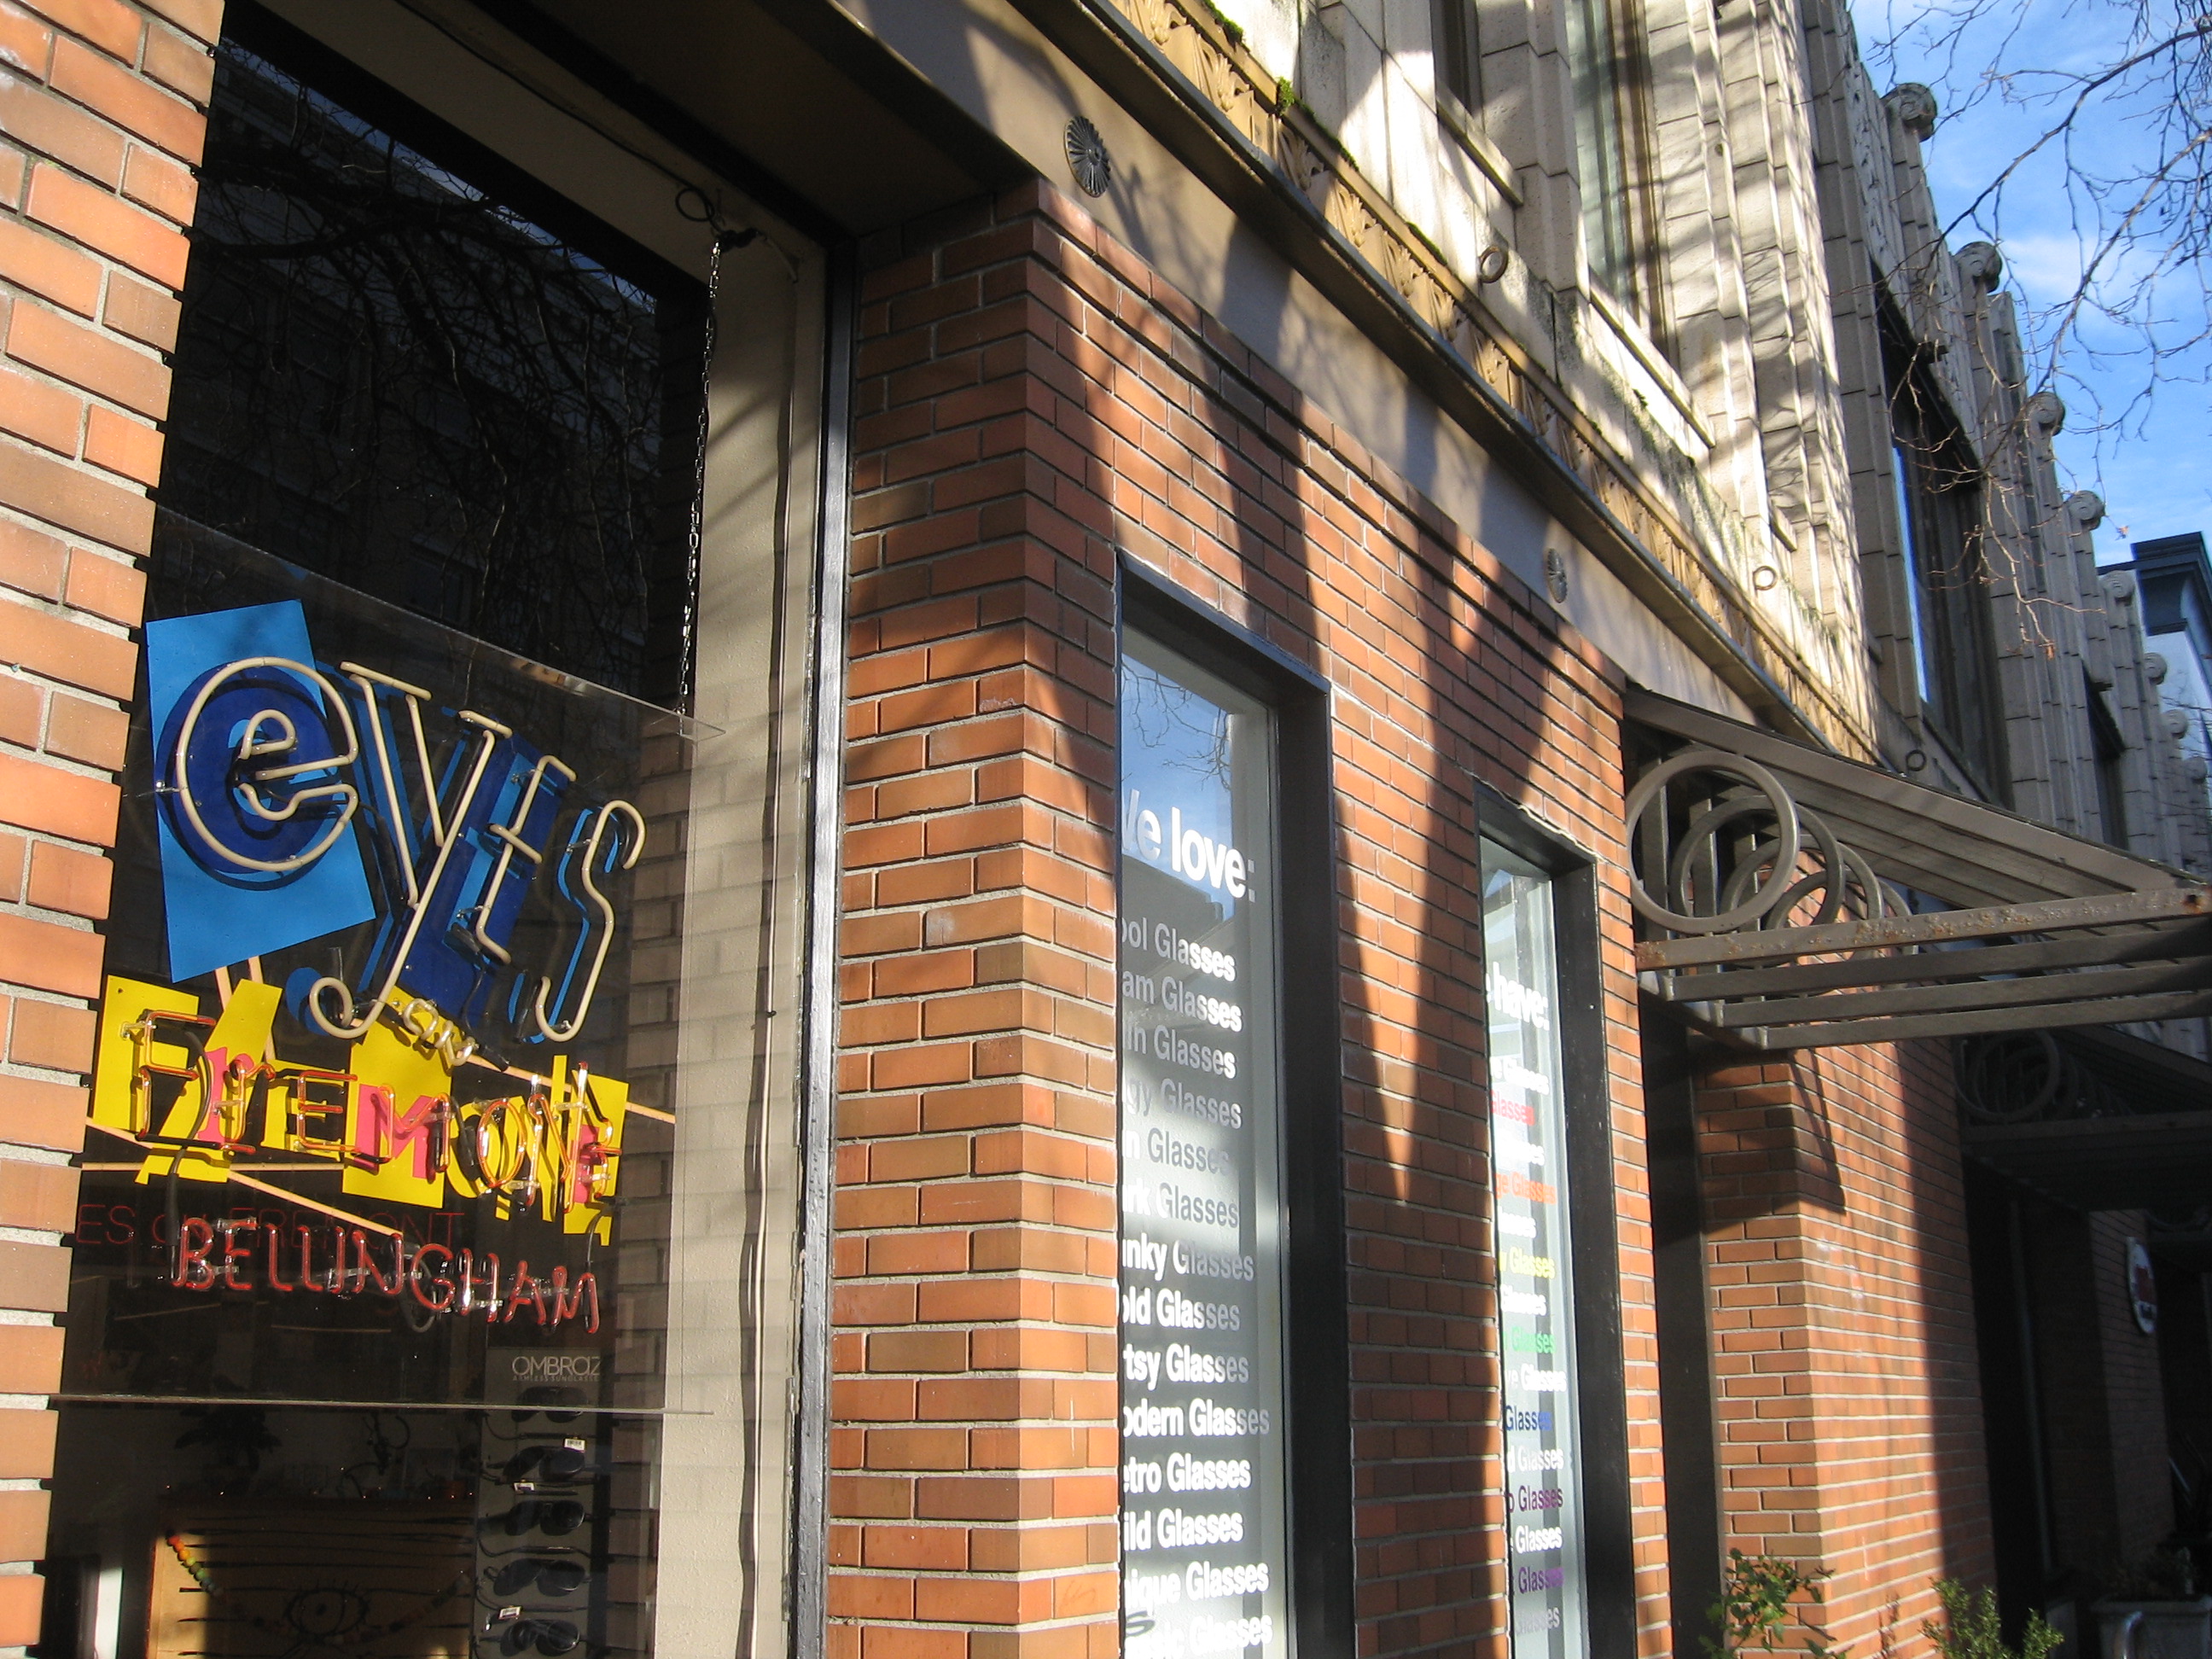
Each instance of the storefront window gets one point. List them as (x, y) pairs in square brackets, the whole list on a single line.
[(382, 1062), (408, 367), (381, 1117), (424, 1216), (1204, 1522), (1535, 1287)]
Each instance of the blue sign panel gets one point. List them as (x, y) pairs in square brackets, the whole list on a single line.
[(253, 750)]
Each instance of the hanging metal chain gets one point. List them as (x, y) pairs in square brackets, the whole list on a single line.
[(728, 239)]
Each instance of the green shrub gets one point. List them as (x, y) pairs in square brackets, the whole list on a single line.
[(1755, 1604), (1970, 1629)]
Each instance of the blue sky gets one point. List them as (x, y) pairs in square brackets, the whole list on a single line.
[(2147, 460)]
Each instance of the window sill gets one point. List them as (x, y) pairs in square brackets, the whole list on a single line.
[(1487, 155), (1633, 335)]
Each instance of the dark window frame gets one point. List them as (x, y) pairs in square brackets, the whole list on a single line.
[(1455, 40), (1318, 1394), (1945, 571), (1611, 79), (2110, 758), (1601, 1391)]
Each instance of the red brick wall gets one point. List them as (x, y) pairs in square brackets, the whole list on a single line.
[(1846, 1382), (1031, 397), (974, 1453), (102, 106)]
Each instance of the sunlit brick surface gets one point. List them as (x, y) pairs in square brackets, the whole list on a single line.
[(101, 106), (1033, 399)]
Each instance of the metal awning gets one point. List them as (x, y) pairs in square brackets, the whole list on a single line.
[(1786, 895), (2161, 1162), (2091, 1118)]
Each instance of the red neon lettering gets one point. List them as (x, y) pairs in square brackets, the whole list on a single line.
[(470, 1285), (365, 1269), (590, 1157), (565, 1305), (517, 1295), (381, 1136), (84, 1215), (224, 1068), (307, 1264), (233, 1229), (125, 1232), (415, 1278), (275, 1234), (481, 1139), (193, 1271)]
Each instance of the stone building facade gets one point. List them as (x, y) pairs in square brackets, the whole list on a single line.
[(756, 500)]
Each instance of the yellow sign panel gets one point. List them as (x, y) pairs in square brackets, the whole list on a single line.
[(397, 1118), (201, 1093)]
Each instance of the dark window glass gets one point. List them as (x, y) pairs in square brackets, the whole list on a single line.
[(1459, 75), (1594, 60), (2112, 768), (402, 368), (1947, 577)]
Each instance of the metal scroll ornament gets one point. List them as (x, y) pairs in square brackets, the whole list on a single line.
[(1720, 846), (2028, 1077)]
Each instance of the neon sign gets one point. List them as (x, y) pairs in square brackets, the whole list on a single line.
[(296, 802), (277, 783)]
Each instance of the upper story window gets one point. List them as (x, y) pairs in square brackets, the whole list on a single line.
[(1594, 61), (1458, 53), (1939, 509), (2112, 765)]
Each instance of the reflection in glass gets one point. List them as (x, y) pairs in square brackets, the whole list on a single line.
[(1535, 1287), (381, 1118), (356, 1138), (402, 366), (250, 1531), (1204, 1546), (1602, 159)]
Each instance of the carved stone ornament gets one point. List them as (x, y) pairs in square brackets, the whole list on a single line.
[(2047, 409), (2088, 508), (1555, 575), (1914, 105), (1981, 264), (1195, 43)]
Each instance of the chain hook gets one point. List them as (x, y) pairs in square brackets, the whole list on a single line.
[(695, 205)]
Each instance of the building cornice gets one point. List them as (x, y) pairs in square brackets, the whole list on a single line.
[(1175, 66)]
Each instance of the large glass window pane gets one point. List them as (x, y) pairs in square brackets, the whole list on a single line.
[(430, 377), (381, 1118), (1204, 1554), (1915, 573), (435, 1244), (1535, 1269), (1600, 164), (1947, 580), (1458, 52)]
